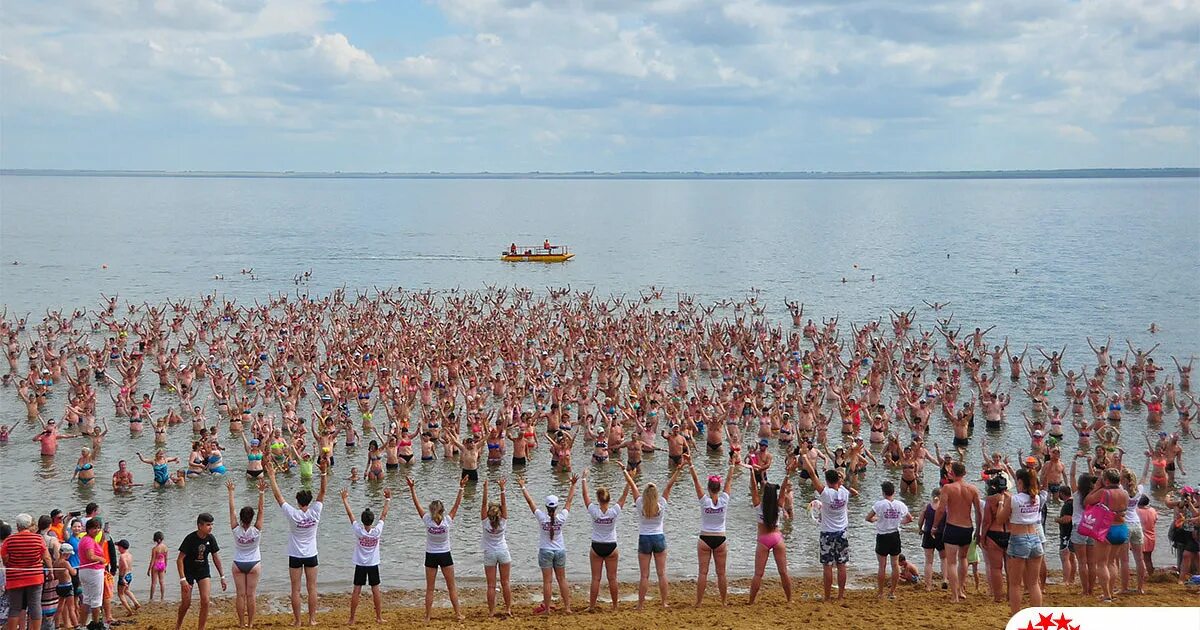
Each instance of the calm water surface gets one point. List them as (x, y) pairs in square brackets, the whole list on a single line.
[(1095, 257)]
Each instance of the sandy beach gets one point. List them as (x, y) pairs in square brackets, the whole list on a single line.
[(862, 611)]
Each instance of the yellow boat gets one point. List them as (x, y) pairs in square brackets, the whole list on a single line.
[(544, 253)]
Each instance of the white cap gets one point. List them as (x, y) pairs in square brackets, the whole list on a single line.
[(66, 549), (551, 501)]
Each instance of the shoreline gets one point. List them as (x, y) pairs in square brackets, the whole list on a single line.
[(860, 611)]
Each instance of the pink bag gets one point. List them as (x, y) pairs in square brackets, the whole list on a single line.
[(1097, 518)]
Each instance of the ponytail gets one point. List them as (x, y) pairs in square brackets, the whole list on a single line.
[(551, 525)]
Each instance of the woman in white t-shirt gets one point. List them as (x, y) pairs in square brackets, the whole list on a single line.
[(247, 530), (714, 506), (496, 558), (603, 554), (368, 533), (437, 545), (652, 540), (1025, 549), (302, 539), (552, 550)]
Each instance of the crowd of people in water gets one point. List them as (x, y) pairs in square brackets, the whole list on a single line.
[(503, 378)]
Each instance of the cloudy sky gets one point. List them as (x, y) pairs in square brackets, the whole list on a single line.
[(559, 85)]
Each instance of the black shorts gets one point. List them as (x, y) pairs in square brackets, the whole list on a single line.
[(955, 535), (961, 441), (887, 544), (604, 549), (992, 424), (470, 475), (435, 560), (714, 448), (296, 563), (392, 466), (519, 461), (929, 541), (366, 575), (193, 577)]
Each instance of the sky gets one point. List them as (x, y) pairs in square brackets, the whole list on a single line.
[(601, 85)]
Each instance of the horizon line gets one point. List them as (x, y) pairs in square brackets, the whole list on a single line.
[(1061, 173)]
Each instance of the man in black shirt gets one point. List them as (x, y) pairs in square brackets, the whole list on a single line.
[(192, 563)]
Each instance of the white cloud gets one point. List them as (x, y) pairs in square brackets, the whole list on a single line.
[(669, 76), (1075, 133)]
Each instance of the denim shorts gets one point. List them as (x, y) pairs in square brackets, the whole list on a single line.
[(552, 558), (1080, 539), (492, 558), (1025, 546), (1136, 537), (652, 543)]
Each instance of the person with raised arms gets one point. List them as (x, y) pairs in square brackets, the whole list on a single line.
[(438, 524), (552, 550), (368, 534), (302, 540), (835, 549)]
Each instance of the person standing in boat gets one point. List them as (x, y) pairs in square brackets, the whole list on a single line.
[(512, 248), (546, 245)]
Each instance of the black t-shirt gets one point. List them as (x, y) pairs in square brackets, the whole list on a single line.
[(1068, 509), (195, 552)]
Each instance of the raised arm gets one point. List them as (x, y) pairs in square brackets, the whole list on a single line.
[(525, 493), (233, 522), (412, 491), (571, 493), (666, 494), (274, 485), (345, 494), (695, 480)]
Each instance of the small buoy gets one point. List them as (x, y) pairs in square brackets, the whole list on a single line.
[(104, 266)]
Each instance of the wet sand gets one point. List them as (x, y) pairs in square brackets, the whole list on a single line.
[(914, 607)]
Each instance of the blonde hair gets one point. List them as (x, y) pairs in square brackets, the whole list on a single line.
[(493, 514), (650, 501), (436, 511), (602, 495), (1129, 476)]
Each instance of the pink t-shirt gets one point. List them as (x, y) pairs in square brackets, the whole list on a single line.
[(88, 547), (1149, 519)]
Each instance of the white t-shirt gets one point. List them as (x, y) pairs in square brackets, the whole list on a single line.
[(245, 544), (889, 514), (649, 526), (547, 540), (437, 535), (366, 551), (494, 540), (1131, 515), (712, 515), (833, 509), (1027, 510), (302, 529), (604, 524)]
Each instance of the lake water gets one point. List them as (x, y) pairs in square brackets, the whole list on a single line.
[(1095, 257)]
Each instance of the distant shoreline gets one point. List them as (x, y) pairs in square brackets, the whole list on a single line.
[(1085, 173)]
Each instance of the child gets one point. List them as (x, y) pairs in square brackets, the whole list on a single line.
[(1149, 519), (353, 478), (158, 567), (908, 572), (63, 571), (125, 571), (973, 561), (786, 498)]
